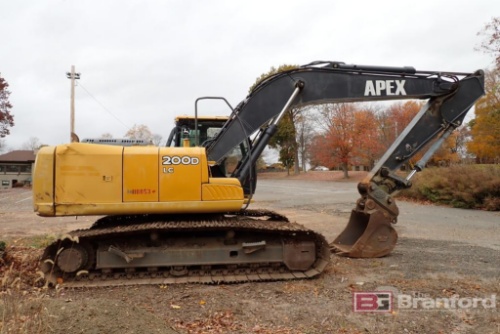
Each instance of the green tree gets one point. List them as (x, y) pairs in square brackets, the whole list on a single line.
[(285, 140), (6, 119), (273, 70)]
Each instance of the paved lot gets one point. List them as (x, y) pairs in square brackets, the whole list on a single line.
[(17, 218), (335, 200)]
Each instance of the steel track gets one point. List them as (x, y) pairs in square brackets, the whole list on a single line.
[(265, 222)]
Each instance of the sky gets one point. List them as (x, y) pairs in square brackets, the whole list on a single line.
[(144, 62)]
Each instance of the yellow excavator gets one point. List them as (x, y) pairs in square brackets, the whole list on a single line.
[(179, 213)]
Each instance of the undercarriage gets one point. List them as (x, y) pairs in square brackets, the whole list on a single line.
[(164, 249)]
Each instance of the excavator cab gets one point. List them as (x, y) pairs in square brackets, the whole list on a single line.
[(187, 133), (192, 131)]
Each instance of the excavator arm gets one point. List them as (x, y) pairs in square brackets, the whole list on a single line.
[(450, 96)]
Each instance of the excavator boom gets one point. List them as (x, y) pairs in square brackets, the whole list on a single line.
[(450, 96)]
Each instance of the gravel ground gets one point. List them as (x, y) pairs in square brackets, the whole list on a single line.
[(441, 253)]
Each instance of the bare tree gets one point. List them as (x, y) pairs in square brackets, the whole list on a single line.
[(156, 139), (304, 132), (33, 144), (107, 135), (491, 41), (139, 131), (2, 145), (462, 137)]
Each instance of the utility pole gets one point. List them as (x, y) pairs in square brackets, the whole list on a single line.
[(73, 76)]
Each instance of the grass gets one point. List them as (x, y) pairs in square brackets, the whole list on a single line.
[(39, 241), (461, 186), (19, 261), (36, 241), (27, 316), (21, 302)]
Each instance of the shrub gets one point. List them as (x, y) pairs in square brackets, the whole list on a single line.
[(462, 186)]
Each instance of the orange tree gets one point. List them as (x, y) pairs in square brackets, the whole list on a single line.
[(358, 134), (336, 146), (368, 146), (485, 128)]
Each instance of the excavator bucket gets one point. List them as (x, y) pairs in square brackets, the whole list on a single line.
[(367, 235)]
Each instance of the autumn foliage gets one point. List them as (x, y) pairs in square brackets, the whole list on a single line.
[(336, 145), (351, 134), (459, 186), (485, 128), (358, 134)]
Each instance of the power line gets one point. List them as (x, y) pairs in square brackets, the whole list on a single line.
[(103, 106)]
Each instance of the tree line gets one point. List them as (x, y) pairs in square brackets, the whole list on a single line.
[(345, 134), (341, 135)]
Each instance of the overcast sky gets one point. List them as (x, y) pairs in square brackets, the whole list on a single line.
[(144, 62)]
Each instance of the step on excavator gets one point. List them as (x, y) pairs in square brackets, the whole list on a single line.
[(179, 213)]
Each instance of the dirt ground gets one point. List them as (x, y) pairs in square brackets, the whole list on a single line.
[(444, 253)]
